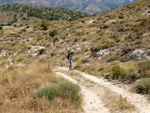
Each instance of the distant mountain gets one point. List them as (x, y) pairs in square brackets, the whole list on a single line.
[(132, 0), (88, 6)]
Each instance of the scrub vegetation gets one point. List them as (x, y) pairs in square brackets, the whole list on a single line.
[(20, 85)]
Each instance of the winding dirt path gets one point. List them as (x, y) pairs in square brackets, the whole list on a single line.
[(92, 102), (100, 95)]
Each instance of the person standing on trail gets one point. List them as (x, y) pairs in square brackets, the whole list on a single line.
[(70, 58)]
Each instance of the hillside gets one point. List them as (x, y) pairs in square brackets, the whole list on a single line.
[(31, 14), (112, 35), (88, 6), (113, 46)]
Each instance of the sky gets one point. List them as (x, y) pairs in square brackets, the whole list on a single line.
[(132, 0)]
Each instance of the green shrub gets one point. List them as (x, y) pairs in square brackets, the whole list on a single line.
[(53, 33), (79, 33), (64, 89), (45, 25), (121, 17), (1, 27), (113, 58), (55, 39), (9, 23), (13, 44), (144, 68), (24, 30), (54, 53), (85, 60), (143, 86), (124, 100), (117, 39), (118, 72), (105, 26), (21, 25), (28, 26), (77, 66), (95, 48), (105, 46)]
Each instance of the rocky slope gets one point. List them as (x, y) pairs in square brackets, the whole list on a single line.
[(116, 37), (113, 45), (88, 6)]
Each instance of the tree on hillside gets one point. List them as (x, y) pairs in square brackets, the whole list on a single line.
[(1, 27), (45, 24), (53, 33)]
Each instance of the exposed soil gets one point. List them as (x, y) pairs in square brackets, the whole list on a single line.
[(102, 96)]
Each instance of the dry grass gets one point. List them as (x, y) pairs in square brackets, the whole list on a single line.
[(117, 104), (96, 68), (71, 73), (114, 102), (18, 85)]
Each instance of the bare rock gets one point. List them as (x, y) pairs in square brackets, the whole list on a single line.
[(36, 50), (102, 53), (148, 54), (4, 53), (90, 21), (136, 55), (147, 12)]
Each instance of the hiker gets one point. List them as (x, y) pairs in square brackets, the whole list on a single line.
[(70, 57)]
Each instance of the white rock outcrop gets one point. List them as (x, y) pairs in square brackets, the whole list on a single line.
[(102, 53), (36, 50), (138, 54)]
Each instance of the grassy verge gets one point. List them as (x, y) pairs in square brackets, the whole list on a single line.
[(63, 89), (117, 103), (143, 86), (19, 83)]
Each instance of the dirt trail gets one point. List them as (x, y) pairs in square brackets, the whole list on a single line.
[(92, 102), (97, 104)]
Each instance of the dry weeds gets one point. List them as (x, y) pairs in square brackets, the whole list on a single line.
[(18, 85), (116, 103)]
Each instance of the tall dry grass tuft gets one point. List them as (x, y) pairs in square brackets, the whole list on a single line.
[(117, 104), (19, 83)]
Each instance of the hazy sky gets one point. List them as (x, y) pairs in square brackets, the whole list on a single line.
[(132, 0)]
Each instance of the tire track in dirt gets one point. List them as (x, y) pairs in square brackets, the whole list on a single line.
[(139, 101), (92, 103)]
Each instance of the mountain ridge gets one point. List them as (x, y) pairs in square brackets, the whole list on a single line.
[(78, 5), (21, 13)]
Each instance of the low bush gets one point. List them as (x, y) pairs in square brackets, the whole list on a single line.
[(1, 27), (85, 60), (45, 24), (105, 46), (113, 58), (55, 39), (143, 86), (64, 89), (121, 17), (95, 48), (105, 26), (144, 68), (77, 66), (24, 30), (79, 33), (53, 33), (117, 39), (124, 104), (28, 26), (118, 72)]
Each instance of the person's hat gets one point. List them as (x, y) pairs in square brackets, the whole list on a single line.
[(72, 51)]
